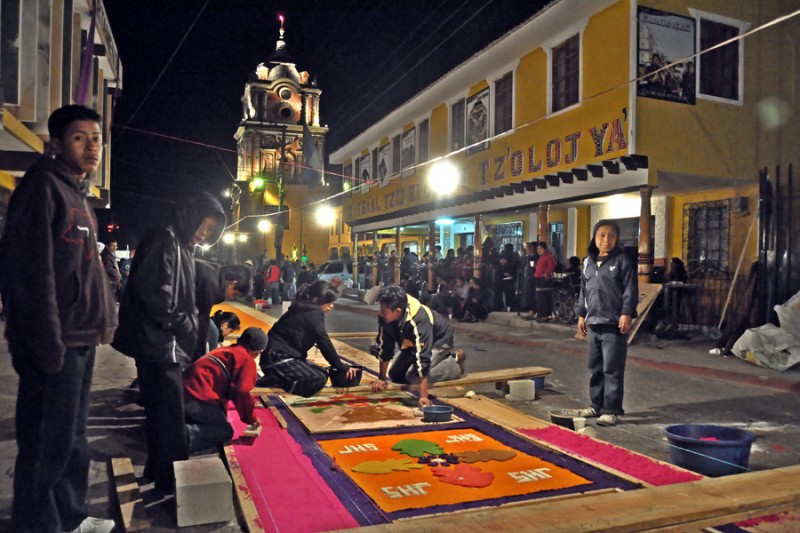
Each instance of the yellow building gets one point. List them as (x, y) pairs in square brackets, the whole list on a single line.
[(46, 65), (593, 110), (279, 180)]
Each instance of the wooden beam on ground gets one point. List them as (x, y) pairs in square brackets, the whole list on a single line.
[(131, 505), (353, 335), (488, 376), (247, 507), (679, 507)]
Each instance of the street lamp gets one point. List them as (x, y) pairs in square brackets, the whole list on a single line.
[(264, 227), (325, 215)]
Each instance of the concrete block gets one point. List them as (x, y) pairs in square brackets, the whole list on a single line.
[(203, 491)]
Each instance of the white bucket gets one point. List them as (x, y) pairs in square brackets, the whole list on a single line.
[(259, 307), (521, 390), (285, 306)]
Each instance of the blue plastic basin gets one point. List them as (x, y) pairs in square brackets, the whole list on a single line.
[(692, 447)]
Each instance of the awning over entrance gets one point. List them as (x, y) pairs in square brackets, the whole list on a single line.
[(611, 176)]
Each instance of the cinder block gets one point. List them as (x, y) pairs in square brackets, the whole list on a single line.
[(203, 491)]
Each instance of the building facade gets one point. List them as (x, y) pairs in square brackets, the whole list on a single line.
[(53, 53), (657, 115), (281, 146)]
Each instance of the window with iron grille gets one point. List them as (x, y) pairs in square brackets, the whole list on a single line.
[(457, 124), (566, 73), (719, 68), (706, 237), (503, 100)]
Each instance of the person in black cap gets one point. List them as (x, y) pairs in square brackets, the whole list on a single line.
[(225, 374)]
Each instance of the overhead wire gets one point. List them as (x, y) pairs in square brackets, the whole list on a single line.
[(357, 180)]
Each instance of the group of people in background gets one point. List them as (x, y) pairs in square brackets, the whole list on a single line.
[(509, 280)]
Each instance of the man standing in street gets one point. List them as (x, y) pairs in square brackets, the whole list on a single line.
[(60, 307), (109, 258)]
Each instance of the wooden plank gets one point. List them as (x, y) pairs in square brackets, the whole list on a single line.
[(247, 507), (131, 505), (474, 378), (679, 507)]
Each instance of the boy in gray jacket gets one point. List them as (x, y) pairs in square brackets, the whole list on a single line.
[(606, 308)]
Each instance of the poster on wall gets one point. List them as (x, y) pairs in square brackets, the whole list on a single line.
[(408, 156), (384, 160), (365, 177), (478, 122), (666, 66)]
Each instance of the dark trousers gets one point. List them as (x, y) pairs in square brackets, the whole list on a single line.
[(162, 392), (295, 376), (608, 350), (207, 425), (51, 475)]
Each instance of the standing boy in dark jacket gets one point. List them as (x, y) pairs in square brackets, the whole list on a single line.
[(405, 323), (55, 323), (606, 308), (158, 326)]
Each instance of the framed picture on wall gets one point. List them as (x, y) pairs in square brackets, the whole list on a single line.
[(365, 178), (384, 165), (665, 64), (478, 122)]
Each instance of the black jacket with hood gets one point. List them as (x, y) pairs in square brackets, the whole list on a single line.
[(56, 292), (298, 330), (158, 314)]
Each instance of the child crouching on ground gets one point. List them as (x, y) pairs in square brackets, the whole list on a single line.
[(225, 374)]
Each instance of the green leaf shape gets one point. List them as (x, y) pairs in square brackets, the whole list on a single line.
[(417, 447)]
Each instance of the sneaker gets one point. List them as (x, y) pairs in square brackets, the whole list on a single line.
[(461, 358), (608, 420), (94, 525), (589, 412)]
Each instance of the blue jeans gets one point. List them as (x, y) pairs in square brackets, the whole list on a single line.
[(51, 475), (608, 350)]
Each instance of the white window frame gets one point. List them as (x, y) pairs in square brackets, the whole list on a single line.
[(743, 26), (450, 103), (577, 28), (510, 68)]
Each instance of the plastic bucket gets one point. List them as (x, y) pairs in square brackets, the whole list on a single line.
[(339, 379), (437, 413), (709, 450)]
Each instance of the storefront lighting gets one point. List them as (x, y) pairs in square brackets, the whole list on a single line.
[(444, 221), (242, 237), (444, 177), (264, 225), (229, 238)]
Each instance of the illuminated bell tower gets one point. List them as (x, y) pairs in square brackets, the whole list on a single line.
[(281, 150)]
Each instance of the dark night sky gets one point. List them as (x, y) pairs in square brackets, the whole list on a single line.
[(378, 52)]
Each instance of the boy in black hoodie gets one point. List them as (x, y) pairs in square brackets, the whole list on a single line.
[(55, 323), (158, 326)]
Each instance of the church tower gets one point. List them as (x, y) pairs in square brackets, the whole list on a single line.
[(281, 150)]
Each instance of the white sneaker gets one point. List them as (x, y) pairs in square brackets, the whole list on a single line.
[(608, 420), (589, 412), (94, 525)]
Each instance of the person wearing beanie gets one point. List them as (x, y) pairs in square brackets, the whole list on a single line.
[(222, 375)]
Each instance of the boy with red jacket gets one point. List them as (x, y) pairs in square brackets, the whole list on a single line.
[(222, 375)]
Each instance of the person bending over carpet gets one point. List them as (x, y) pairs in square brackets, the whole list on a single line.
[(425, 339), (285, 361), (222, 375)]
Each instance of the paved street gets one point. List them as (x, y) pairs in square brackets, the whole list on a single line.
[(667, 382)]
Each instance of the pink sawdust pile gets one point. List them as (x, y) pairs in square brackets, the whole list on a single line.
[(638, 466)]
